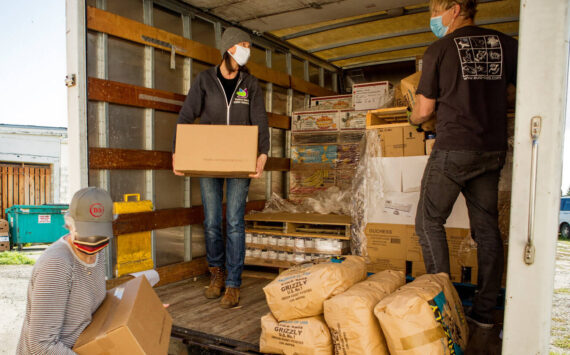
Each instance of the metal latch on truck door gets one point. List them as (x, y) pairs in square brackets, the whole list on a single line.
[(70, 80), (535, 126)]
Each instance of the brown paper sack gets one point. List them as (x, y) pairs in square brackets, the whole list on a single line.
[(424, 317), (350, 315), (300, 291), (301, 336)]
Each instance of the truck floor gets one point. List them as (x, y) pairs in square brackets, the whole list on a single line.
[(202, 322)]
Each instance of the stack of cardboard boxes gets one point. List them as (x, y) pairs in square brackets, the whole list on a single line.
[(4, 238), (392, 242), (325, 138)]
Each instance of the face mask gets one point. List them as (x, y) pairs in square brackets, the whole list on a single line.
[(91, 245), (241, 55), (437, 27)]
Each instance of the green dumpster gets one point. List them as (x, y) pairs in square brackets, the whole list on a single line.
[(36, 224)]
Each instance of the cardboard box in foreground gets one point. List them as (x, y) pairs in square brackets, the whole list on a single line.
[(216, 150), (131, 320)]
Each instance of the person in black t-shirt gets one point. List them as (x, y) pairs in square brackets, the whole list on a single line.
[(464, 83)]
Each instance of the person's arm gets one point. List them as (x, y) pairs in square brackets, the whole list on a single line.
[(258, 117), (428, 88), (423, 111), (191, 109), (49, 301)]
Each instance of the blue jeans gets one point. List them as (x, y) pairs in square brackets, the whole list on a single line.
[(476, 175), (236, 196)]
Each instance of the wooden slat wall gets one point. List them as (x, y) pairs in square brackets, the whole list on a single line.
[(138, 96), (24, 185), (167, 218), (118, 26), (132, 159)]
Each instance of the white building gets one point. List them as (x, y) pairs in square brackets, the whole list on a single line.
[(31, 145)]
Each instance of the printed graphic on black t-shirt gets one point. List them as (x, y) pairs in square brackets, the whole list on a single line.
[(481, 57)]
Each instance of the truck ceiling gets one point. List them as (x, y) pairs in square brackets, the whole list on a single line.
[(352, 33)]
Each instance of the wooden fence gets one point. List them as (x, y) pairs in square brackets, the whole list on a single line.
[(23, 184)]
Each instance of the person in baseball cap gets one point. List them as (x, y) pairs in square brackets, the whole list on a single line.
[(91, 209), (68, 280)]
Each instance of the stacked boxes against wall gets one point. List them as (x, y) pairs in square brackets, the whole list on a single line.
[(4, 238), (325, 138)]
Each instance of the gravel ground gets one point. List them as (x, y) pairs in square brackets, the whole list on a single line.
[(14, 283)]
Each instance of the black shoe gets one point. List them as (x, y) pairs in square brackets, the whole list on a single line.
[(481, 322)]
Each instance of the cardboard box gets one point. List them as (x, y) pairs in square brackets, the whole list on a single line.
[(429, 146), (4, 226), (216, 150), (409, 85), (4, 241), (131, 320), (418, 268), (413, 247), (315, 121), (335, 102), (368, 96), (304, 183), (325, 155), (400, 139), (414, 142), (305, 138), (348, 156), (386, 241), (377, 265), (352, 119)]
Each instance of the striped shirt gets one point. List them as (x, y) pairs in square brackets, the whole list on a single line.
[(63, 293)]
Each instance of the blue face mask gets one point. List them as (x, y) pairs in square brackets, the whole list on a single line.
[(437, 27)]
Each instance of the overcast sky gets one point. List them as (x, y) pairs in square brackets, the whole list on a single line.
[(32, 63), (32, 67)]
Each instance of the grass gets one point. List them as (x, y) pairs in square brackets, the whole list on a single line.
[(562, 290), (15, 258), (562, 343)]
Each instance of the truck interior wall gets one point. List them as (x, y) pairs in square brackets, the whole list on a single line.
[(279, 100), (124, 127)]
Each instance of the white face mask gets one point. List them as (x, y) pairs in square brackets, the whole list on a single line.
[(241, 55)]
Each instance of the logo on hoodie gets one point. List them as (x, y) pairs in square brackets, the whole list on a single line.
[(242, 97), (242, 93)]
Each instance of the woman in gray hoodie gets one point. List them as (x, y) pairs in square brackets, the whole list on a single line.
[(227, 95)]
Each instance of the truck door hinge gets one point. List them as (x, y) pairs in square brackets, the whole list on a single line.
[(70, 80)]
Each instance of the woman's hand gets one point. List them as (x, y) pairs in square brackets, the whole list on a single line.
[(261, 160), (176, 172)]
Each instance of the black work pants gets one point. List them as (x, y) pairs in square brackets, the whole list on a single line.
[(476, 175)]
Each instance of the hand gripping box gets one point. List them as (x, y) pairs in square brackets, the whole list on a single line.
[(131, 320)]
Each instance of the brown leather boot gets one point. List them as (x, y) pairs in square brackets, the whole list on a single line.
[(231, 298), (217, 281)]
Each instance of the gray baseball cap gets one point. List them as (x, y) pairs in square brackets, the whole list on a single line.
[(231, 37), (92, 210)]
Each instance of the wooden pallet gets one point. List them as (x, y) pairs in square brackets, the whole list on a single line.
[(385, 116), (296, 225), (304, 225)]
